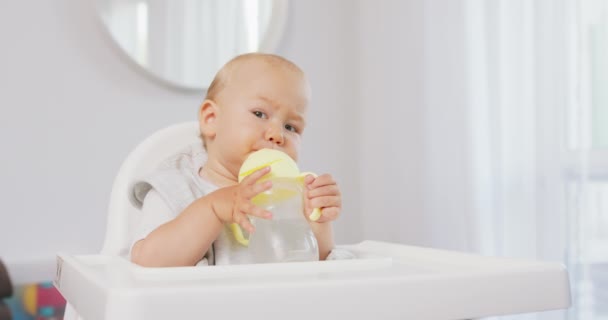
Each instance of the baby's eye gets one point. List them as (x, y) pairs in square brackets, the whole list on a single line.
[(291, 128), (260, 114)]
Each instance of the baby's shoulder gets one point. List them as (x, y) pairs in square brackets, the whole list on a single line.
[(176, 179)]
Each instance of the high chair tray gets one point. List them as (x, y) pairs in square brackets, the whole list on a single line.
[(386, 281)]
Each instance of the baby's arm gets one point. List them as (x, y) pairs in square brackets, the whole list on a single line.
[(184, 240), (323, 192), (325, 238)]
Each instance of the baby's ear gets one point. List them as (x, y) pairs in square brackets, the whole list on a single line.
[(206, 118)]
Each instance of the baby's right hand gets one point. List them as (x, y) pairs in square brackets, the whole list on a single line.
[(235, 201)]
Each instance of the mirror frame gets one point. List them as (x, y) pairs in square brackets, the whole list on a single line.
[(269, 43)]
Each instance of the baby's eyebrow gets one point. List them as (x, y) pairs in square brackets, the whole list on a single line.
[(272, 102), (297, 117), (297, 120), (275, 104)]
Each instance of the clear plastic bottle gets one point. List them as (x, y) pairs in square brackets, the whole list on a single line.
[(287, 236)]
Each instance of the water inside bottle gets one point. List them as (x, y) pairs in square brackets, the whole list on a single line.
[(287, 237)]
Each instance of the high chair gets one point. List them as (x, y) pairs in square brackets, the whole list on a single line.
[(385, 281), (147, 156)]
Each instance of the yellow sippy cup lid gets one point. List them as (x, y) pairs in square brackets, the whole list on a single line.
[(281, 164)]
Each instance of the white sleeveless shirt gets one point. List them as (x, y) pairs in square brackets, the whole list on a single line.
[(164, 194)]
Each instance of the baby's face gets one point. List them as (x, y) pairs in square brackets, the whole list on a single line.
[(261, 107)]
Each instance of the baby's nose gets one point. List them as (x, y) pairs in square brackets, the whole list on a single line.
[(275, 135), (277, 140)]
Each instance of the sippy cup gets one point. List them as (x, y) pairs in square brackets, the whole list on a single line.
[(287, 236)]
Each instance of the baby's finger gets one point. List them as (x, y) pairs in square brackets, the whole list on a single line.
[(325, 201), (256, 211), (330, 190), (255, 176), (251, 191), (322, 180), (244, 222)]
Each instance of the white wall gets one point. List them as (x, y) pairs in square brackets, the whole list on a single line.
[(72, 107), (413, 123), (391, 100)]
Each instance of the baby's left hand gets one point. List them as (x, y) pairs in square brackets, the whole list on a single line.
[(322, 192)]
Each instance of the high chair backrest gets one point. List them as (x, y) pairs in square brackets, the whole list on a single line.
[(147, 156)]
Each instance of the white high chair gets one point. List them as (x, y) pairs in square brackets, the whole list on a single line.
[(147, 156), (386, 281)]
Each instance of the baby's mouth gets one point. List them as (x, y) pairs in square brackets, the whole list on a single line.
[(272, 146)]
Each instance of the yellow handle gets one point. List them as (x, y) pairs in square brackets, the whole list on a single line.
[(238, 234), (315, 215)]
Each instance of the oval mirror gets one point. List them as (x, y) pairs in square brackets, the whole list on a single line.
[(184, 42)]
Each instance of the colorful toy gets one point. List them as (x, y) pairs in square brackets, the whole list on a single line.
[(43, 301)]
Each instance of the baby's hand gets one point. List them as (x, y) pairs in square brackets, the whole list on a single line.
[(236, 203), (322, 192)]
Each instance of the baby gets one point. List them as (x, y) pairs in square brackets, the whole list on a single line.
[(255, 101)]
